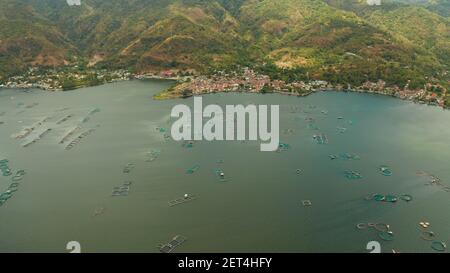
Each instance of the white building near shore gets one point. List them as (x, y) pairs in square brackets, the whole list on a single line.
[(374, 2)]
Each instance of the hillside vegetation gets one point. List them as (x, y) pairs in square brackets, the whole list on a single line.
[(336, 40)]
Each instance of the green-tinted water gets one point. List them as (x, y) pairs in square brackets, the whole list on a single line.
[(259, 206)]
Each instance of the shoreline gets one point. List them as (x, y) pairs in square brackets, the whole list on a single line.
[(250, 81), (167, 94)]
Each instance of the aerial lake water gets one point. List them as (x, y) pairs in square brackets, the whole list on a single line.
[(66, 195)]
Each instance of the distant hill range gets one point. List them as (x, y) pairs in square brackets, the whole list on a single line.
[(338, 40)]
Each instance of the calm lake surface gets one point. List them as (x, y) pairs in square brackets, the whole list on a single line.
[(66, 194)]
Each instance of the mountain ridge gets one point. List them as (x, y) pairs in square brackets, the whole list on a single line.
[(341, 41)]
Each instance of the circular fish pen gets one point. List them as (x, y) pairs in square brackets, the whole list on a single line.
[(406, 197), (386, 235), (382, 227), (427, 235), (362, 226), (379, 197), (220, 174), (391, 198), (385, 170), (438, 246)]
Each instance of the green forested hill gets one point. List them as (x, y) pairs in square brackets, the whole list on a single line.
[(338, 40)]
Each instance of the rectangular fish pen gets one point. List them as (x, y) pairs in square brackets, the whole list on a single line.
[(174, 243), (182, 200)]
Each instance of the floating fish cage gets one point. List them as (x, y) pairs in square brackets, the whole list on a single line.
[(379, 197), (188, 144), (87, 117), (386, 235), (182, 200), (349, 156), (173, 244), (79, 138), (69, 134), (12, 188), (153, 155), (29, 106), (63, 119), (161, 129), (282, 147), (4, 168), (36, 138), (390, 198), (312, 126), (128, 168), (385, 170), (44, 132), (98, 211), (18, 176), (192, 170), (438, 246), (341, 130), (406, 197), (93, 111), (321, 139), (353, 175), (28, 143), (428, 235), (288, 131), (24, 133), (123, 190), (220, 174)]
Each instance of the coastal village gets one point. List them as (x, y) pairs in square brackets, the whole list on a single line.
[(64, 79), (250, 81), (245, 80)]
